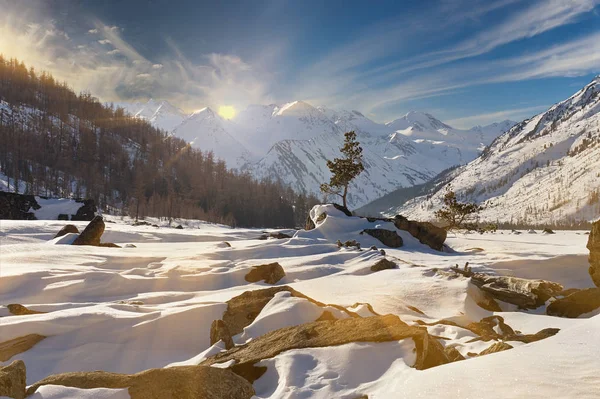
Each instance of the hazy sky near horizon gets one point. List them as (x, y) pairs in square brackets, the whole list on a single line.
[(467, 62)]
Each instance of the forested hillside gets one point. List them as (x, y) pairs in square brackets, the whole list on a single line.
[(55, 142)]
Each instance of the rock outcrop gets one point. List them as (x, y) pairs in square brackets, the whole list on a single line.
[(12, 380), (495, 348), (594, 246), (20, 310), (387, 237), (184, 382), (270, 273), (18, 345), (86, 212), (220, 332), (92, 233), (430, 352), (383, 264), (279, 235), (68, 228), (427, 233), (575, 304), (17, 206)]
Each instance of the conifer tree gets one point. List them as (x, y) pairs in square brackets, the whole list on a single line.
[(344, 170)]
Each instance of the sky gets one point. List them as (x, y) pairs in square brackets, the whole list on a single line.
[(467, 62)]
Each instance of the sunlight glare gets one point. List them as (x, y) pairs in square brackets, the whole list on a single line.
[(226, 111)]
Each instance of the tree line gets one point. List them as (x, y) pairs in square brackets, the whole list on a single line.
[(54, 142)]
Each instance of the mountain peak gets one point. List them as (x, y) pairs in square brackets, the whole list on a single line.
[(294, 108)]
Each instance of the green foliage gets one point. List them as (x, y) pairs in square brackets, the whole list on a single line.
[(459, 215), (344, 170)]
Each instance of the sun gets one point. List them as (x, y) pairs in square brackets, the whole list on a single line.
[(226, 111)]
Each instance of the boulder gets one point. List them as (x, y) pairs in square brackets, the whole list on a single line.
[(68, 228), (18, 345), (427, 233), (496, 347), (20, 310), (527, 294), (12, 380), (220, 332), (593, 245), (321, 217), (548, 230), (17, 206), (430, 352), (271, 273), (383, 264), (179, 227), (184, 382), (92, 233), (387, 237), (575, 304), (309, 225), (87, 211), (279, 235), (453, 354)]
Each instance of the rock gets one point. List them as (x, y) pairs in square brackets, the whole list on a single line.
[(387, 237), (430, 352), (342, 208), (12, 380), (179, 227), (321, 217), (548, 231), (594, 246), (383, 264), (271, 273), (86, 212), (531, 231), (109, 245), (576, 304), (92, 233), (453, 354), (228, 245), (18, 345), (130, 246), (326, 315), (427, 233), (351, 244), (220, 332), (279, 235), (184, 382), (20, 310), (527, 294), (309, 225), (382, 252), (63, 216), (373, 248), (263, 237), (68, 228), (496, 347), (17, 206)]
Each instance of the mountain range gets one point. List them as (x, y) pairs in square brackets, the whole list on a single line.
[(292, 143), (544, 170)]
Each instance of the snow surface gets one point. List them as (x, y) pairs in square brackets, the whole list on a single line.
[(133, 308)]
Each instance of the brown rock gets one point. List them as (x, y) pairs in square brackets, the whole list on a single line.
[(383, 264), (220, 332), (12, 380), (425, 232), (92, 233), (453, 354), (594, 246), (387, 237), (321, 217), (185, 382), (109, 245), (68, 228), (496, 347), (309, 225), (317, 334), (20, 310), (18, 345), (576, 304), (279, 235), (271, 273)]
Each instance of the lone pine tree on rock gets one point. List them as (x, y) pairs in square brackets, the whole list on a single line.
[(458, 215), (344, 170)]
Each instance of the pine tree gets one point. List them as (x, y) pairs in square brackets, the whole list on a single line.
[(458, 215), (344, 170)]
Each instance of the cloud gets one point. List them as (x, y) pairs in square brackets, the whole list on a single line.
[(104, 41), (92, 31), (516, 114)]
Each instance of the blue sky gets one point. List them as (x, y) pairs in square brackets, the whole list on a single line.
[(466, 62)]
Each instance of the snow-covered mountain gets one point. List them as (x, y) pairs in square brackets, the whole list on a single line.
[(292, 142), (544, 170), (161, 114)]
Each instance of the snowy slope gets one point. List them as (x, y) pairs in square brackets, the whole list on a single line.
[(161, 114), (545, 169)]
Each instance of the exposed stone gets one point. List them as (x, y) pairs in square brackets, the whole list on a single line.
[(12, 380), (130, 246), (279, 235), (86, 212), (321, 217), (220, 332), (317, 334), (427, 233), (496, 347), (92, 233), (326, 315), (309, 225), (109, 245), (63, 216), (453, 354), (179, 227), (184, 382), (548, 231), (17, 206), (18, 345), (271, 273), (387, 237), (576, 304), (68, 228), (593, 245), (20, 310), (383, 264)]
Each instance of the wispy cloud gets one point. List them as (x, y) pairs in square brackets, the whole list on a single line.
[(515, 114)]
